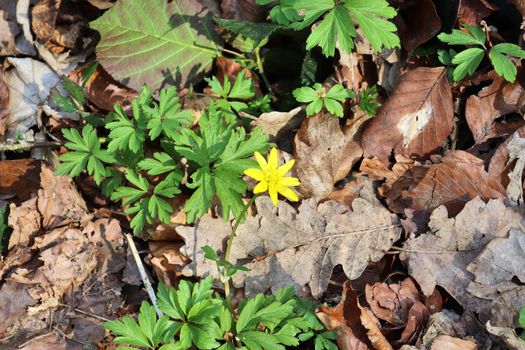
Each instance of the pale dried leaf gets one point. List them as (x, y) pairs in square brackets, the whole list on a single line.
[(516, 150), (372, 324), (450, 343), (508, 335), (415, 120), (275, 124), (441, 256), (25, 221)]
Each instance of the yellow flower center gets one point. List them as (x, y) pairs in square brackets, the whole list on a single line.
[(272, 177)]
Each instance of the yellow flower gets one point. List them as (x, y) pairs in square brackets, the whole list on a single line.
[(271, 177)]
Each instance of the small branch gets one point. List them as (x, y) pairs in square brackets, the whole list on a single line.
[(4, 147), (143, 275)]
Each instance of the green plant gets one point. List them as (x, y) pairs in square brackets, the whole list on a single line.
[(467, 61), (217, 154), (367, 100), (338, 21), (195, 315), (317, 98), (521, 321)]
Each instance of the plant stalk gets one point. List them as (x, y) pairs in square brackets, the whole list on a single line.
[(260, 68)]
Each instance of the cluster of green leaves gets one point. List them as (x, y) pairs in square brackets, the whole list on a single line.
[(467, 61), (5, 230), (218, 153), (332, 100), (337, 22), (195, 316)]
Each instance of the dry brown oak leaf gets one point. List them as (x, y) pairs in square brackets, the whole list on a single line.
[(415, 120), (458, 178), (296, 247), (441, 256)]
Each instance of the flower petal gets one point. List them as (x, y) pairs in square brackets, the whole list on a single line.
[(288, 193), (272, 190), (260, 187), (289, 181), (286, 167), (262, 162), (273, 159), (255, 174)]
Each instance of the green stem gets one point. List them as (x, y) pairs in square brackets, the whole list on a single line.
[(260, 68), (229, 248), (231, 52)]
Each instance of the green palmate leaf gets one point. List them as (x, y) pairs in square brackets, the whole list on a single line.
[(167, 116), (86, 154), (160, 163), (155, 41), (467, 61), (368, 101), (502, 64), (242, 89), (252, 35), (370, 15), (220, 153), (256, 340), (476, 36), (337, 26), (316, 98)]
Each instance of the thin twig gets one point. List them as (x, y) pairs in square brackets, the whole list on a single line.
[(4, 147), (143, 275), (91, 315)]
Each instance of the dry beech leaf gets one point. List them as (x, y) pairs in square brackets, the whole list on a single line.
[(101, 89), (167, 261), (441, 256), (520, 6), (415, 120), (25, 221), (20, 179), (450, 343), (345, 321), (276, 124), (458, 178), (471, 12), (295, 247), (492, 102), (325, 154), (418, 22)]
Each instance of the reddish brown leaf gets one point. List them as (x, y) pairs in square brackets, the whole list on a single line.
[(459, 178), (471, 12), (418, 23), (344, 319), (324, 154), (242, 10), (415, 120), (371, 323), (490, 103), (498, 166), (19, 179), (102, 90)]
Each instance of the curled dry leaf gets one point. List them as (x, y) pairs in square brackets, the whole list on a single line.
[(471, 12), (441, 256), (516, 150), (276, 124), (372, 324), (415, 120), (4, 104), (25, 222), (63, 37), (508, 335), (278, 238), (418, 22), (167, 261), (492, 102), (401, 305), (499, 166), (325, 154), (458, 178)]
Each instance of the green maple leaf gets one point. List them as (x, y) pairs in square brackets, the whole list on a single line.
[(86, 154), (499, 57)]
